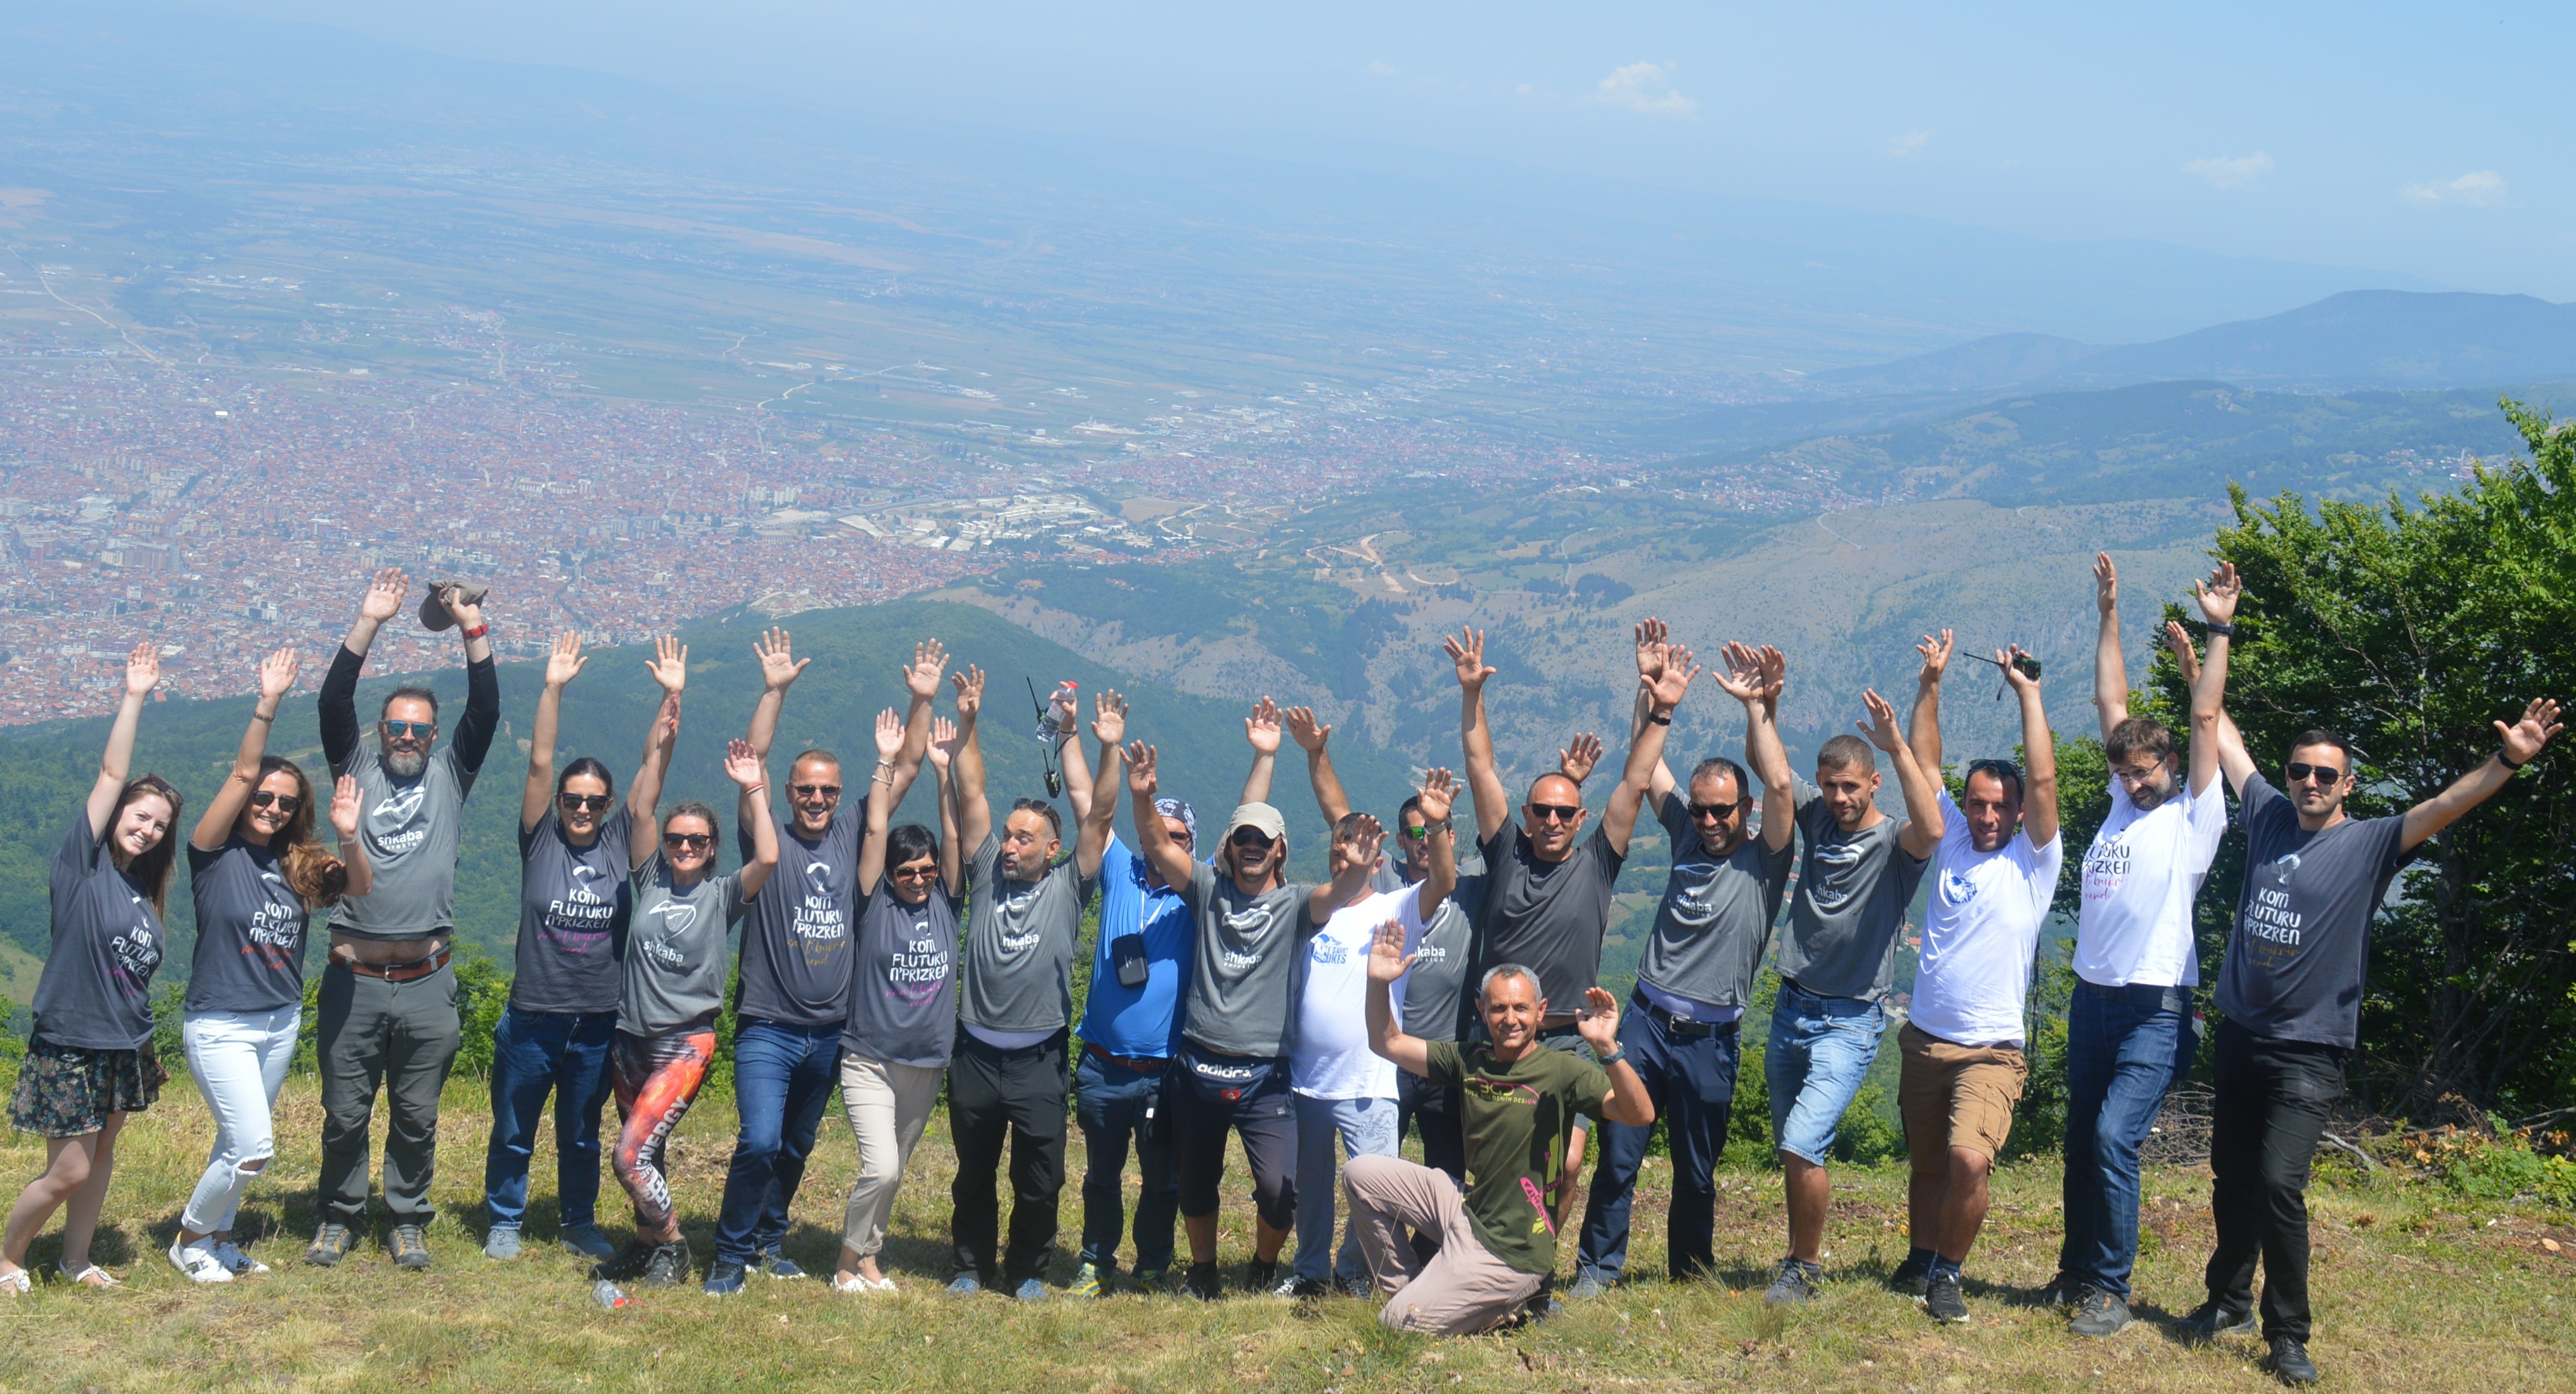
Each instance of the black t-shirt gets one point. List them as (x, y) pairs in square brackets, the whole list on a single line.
[(250, 931), (2301, 946), (1548, 917), (96, 991), (796, 939), (903, 1007), (573, 908)]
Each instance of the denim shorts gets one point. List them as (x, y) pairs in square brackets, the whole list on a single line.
[(1820, 1050)]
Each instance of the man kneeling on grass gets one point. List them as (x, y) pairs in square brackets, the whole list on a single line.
[(1519, 1101)]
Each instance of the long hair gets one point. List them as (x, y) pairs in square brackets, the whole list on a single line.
[(316, 877), (588, 765), (151, 871)]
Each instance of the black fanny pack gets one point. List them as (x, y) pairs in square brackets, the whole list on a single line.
[(1226, 1080)]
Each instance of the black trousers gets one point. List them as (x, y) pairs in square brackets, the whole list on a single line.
[(1432, 1109), (2271, 1108), (994, 1096)]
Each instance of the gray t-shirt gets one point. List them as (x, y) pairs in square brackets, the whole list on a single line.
[(903, 1007), (2300, 952), (412, 828), (1244, 977), (1549, 917), (1852, 892), (1020, 937), (1715, 918), (573, 904), (250, 931), (1436, 987), (675, 950), (796, 942), (96, 990)]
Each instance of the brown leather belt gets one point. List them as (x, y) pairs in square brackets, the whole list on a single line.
[(397, 972), (1141, 1064)]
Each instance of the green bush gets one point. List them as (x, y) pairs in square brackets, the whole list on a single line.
[(167, 1015), (2502, 1168)]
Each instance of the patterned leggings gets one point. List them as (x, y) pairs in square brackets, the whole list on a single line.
[(656, 1078)]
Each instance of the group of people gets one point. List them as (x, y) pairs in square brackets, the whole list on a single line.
[(1400, 995)]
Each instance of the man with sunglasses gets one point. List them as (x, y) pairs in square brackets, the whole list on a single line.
[(2292, 983), (1711, 929), (1963, 1067), (388, 997), (2129, 1031)]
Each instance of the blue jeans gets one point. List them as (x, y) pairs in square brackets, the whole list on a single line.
[(1366, 1128), (2124, 1048), (534, 1054), (1110, 1102), (1821, 1049), (783, 1076), (1691, 1080)]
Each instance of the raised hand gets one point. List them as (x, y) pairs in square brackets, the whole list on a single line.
[(1669, 687), (1652, 635), (1387, 958), (1261, 728), (1309, 733), (2186, 658), (2524, 739), (742, 764), (277, 674), (1065, 705), (346, 803), (1366, 837), (1467, 652), (1108, 717), (2010, 661), (1140, 770), (142, 669), (777, 668), (2219, 594), (1775, 675), (1580, 756), (1439, 794), (970, 691), (1881, 726), (565, 660), (669, 664), (384, 597), (1741, 679), (1936, 658), (889, 735), (2106, 583), (943, 741), (1598, 1022), (921, 678)]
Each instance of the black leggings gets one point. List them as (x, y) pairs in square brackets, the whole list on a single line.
[(1261, 1111)]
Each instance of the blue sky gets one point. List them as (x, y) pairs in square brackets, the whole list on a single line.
[(2428, 140)]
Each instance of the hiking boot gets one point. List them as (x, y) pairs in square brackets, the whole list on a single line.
[(1203, 1283), (628, 1264), (1910, 1277), (1796, 1283), (587, 1241), (723, 1279), (1588, 1283), (408, 1248), (2099, 1313), (2289, 1362), (330, 1245), (2209, 1321), (1260, 1275), (1092, 1280), (1943, 1300), (668, 1266), (502, 1242)]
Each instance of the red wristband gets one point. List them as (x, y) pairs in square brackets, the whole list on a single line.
[(476, 632)]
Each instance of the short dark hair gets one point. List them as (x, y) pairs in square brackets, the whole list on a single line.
[(1412, 804), (1719, 764), (588, 765), (1055, 820), (2320, 736), (1846, 752), (693, 808), (1349, 824), (2004, 771), (910, 842), (409, 689), (2139, 735)]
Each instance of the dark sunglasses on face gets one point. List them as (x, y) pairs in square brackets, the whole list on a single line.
[(1555, 812), (1719, 811), (1253, 838), (688, 842), (1419, 832), (2322, 774), (815, 791), (915, 873), (419, 730), (286, 803), (583, 803)]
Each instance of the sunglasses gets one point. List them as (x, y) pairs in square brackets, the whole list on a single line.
[(815, 791), (418, 730), (583, 803), (1251, 837), (915, 873), (2322, 774), (1717, 810), (688, 842), (1555, 812), (285, 803), (1419, 832)]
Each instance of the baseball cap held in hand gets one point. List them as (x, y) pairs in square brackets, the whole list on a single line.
[(434, 614)]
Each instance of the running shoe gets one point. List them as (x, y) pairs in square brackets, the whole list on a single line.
[(1260, 1275), (2209, 1321), (965, 1285), (587, 1241), (1154, 1282), (330, 1245), (627, 1265), (1032, 1290), (2099, 1313), (2289, 1362), (1910, 1276), (1943, 1300), (502, 1242), (777, 1265), (409, 1249), (1302, 1289), (1092, 1280), (1795, 1283), (668, 1267), (1203, 1283), (235, 1261), (1588, 1283), (198, 1261), (723, 1279)]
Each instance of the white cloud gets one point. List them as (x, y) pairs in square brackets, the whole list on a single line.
[(2231, 171), (1647, 88), (1908, 145), (1382, 69), (2479, 188)]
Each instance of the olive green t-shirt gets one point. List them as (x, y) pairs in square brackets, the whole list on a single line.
[(1517, 1118)]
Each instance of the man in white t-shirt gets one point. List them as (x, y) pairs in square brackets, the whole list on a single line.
[(2129, 1032), (1343, 1089), (1962, 1048)]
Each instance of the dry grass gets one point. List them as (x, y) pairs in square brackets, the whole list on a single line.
[(2414, 1292)]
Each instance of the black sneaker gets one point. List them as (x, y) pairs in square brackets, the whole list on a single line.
[(330, 1245), (410, 1250), (1909, 1276), (2209, 1321), (1796, 1283), (2289, 1362), (1202, 1283), (1260, 1276), (628, 1264), (2099, 1313), (1943, 1300), (2062, 1291), (1304, 1289), (668, 1266)]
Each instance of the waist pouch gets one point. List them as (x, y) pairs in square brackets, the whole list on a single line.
[(1228, 1079)]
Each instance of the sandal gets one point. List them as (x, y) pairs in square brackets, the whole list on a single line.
[(15, 1282), (92, 1276)]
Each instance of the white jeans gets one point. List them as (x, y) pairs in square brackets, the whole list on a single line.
[(239, 1060)]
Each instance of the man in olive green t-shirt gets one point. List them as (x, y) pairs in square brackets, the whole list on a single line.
[(1519, 1100)]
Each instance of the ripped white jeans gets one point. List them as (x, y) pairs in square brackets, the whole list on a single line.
[(239, 1060)]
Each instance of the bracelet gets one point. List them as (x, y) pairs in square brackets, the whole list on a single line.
[(2221, 630), (1612, 1058), (1659, 720), (755, 788), (2509, 762), (477, 632)]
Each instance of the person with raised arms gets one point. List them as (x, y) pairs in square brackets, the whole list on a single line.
[(1521, 1099), (89, 1059), (1857, 873), (2130, 1036), (554, 1036), (2291, 987), (1682, 1030), (1963, 1067), (258, 875), (1009, 1076), (387, 1002)]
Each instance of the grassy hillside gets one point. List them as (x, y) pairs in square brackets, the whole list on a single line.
[(857, 653)]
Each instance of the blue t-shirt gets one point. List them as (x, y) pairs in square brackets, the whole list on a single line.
[(1141, 1022)]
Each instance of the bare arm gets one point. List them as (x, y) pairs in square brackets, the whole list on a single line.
[(1756, 677), (1923, 730), (778, 672), (1476, 743), (644, 792), (115, 766), (345, 807), (2218, 598), (1109, 727), (1652, 635), (1439, 791), (1261, 732), (974, 814), (1598, 1023), (1312, 737), (2233, 762), (1388, 962), (744, 768), (882, 804), (564, 662), (2522, 743), (943, 748), (2110, 670), (1077, 775), (2039, 753), (276, 679), (1646, 752), (1152, 838), (1921, 834)]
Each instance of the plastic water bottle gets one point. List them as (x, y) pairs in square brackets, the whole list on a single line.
[(1049, 732), (606, 1294)]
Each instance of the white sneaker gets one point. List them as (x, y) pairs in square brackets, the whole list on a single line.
[(860, 1282), (235, 1261), (200, 1265)]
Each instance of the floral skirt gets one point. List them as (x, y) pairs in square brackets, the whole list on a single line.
[(65, 1091)]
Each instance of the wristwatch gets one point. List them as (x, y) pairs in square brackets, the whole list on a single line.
[(1612, 1058)]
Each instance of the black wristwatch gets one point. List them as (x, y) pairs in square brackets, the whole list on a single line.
[(1612, 1058), (2221, 629)]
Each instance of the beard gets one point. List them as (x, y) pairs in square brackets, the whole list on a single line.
[(405, 764)]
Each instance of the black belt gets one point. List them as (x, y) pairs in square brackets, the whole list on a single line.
[(2152, 996), (397, 972), (1141, 1064), (1680, 1027)]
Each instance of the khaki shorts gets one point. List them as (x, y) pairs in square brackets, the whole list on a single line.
[(1955, 1096)]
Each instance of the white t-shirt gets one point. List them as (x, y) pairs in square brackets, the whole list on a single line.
[(1979, 935), (1332, 1059), (2140, 876)]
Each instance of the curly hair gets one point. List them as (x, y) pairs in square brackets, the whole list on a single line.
[(317, 877)]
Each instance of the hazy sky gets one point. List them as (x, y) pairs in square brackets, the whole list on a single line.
[(2432, 140)]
